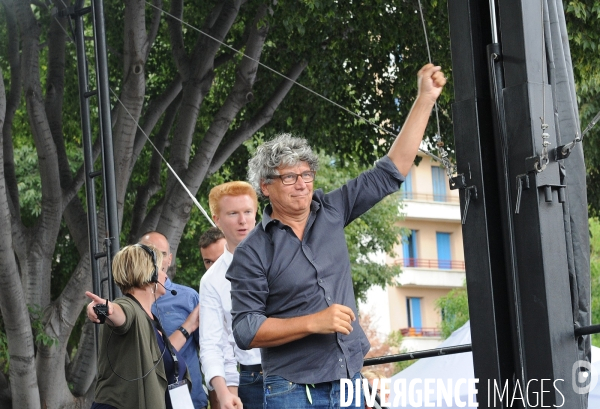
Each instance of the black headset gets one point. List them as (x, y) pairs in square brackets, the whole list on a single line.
[(154, 277)]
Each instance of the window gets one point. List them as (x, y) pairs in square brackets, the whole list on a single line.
[(409, 249), (406, 187), (439, 184), (413, 308), (444, 253)]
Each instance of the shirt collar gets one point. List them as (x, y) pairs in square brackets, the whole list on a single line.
[(267, 219), (227, 255)]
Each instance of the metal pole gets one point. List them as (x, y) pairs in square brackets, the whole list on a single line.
[(494, 25), (82, 73), (458, 349), (111, 215)]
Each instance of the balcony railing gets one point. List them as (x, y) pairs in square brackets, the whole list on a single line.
[(427, 197), (432, 263), (420, 332)]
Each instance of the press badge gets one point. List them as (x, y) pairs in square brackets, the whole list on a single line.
[(180, 395)]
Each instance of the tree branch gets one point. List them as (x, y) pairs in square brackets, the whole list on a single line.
[(177, 44), (12, 299), (205, 49), (59, 319), (262, 117), (155, 110), (132, 94), (151, 221), (36, 280), (198, 86), (81, 371), (13, 100), (240, 95), (55, 87), (155, 25), (148, 190)]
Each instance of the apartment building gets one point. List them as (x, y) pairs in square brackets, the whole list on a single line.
[(431, 257)]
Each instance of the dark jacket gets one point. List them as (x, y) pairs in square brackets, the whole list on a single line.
[(132, 351)]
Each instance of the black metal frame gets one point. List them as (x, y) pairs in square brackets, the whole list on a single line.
[(107, 171), (518, 286)]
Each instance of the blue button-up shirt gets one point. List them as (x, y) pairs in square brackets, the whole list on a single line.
[(274, 274), (173, 310)]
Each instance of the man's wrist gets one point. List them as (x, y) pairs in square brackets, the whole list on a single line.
[(184, 332)]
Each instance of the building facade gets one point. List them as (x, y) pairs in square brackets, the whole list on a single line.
[(430, 255)]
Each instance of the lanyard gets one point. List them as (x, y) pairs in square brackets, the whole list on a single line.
[(156, 324)]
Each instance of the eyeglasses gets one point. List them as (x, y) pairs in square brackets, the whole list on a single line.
[(292, 178)]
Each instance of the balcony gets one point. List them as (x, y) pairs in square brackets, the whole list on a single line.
[(420, 332), (427, 197), (432, 263), (424, 207), (431, 273)]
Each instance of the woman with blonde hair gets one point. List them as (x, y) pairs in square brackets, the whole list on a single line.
[(138, 365)]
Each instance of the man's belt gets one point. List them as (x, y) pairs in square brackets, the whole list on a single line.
[(251, 368)]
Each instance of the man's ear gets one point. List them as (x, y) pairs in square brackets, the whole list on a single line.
[(215, 219), (264, 189)]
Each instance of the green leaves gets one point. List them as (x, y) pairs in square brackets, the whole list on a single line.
[(582, 18), (37, 325), (454, 307), (595, 275)]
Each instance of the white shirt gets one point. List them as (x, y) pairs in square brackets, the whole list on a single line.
[(219, 353)]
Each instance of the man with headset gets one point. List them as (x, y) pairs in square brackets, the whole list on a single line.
[(178, 311)]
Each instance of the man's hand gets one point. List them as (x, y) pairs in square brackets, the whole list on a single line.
[(278, 331), (193, 320), (190, 324), (431, 81), (230, 401), (335, 318), (226, 395)]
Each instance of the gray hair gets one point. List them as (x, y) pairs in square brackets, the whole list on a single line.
[(284, 150)]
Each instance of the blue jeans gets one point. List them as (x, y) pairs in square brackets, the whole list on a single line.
[(250, 390), (281, 393)]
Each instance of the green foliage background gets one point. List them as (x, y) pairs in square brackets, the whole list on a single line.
[(454, 308)]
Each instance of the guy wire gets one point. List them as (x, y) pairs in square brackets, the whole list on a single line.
[(196, 202)]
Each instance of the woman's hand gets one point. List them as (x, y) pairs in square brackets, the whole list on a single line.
[(115, 316)]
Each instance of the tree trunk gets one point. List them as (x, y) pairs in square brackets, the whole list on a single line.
[(25, 393), (39, 375)]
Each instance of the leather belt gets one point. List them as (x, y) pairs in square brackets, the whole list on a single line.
[(251, 368)]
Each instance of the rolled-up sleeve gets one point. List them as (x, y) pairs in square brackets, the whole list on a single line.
[(249, 292)]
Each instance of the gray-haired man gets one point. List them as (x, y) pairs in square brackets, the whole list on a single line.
[(291, 284)]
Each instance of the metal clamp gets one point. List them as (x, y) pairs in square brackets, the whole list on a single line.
[(459, 182)]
